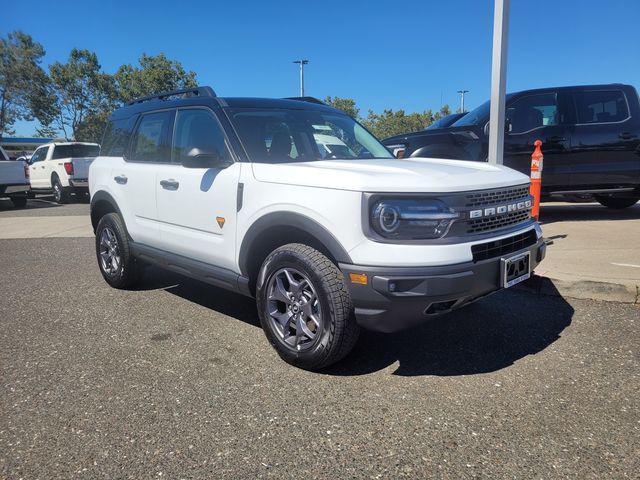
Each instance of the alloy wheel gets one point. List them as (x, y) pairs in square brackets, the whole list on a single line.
[(294, 309), (110, 258)]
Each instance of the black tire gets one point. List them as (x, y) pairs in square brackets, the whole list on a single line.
[(19, 202), (616, 203), (125, 275), (60, 193), (338, 331)]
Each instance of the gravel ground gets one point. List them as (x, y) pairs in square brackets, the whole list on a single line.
[(176, 380)]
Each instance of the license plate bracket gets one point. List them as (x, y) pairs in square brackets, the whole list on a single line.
[(516, 269)]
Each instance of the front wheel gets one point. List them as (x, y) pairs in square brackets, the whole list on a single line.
[(305, 308), (616, 203)]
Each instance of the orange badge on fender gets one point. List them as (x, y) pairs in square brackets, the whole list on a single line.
[(220, 221)]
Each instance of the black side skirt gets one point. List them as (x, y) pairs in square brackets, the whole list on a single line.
[(220, 277)]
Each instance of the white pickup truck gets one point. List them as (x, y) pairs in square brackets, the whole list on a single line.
[(14, 180), (62, 168)]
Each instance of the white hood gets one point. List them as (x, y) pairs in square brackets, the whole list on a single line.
[(391, 175)]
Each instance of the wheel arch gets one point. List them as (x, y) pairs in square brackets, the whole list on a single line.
[(102, 203), (280, 228)]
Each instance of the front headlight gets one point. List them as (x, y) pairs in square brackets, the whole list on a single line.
[(411, 219)]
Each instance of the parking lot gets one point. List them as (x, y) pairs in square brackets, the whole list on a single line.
[(176, 380)]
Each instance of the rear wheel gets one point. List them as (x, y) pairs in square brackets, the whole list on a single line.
[(616, 202), (19, 202), (60, 194), (305, 308), (117, 264)]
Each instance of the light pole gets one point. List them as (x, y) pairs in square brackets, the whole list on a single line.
[(302, 63), (498, 80), (462, 92)]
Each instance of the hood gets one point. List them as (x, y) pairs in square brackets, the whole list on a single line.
[(390, 175), (437, 134)]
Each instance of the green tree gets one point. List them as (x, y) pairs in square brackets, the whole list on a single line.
[(82, 92), (390, 122), (24, 85), (444, 111), (154, 75), (347, 105)]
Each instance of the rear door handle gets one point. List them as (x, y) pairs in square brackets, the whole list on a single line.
[(556, 139), (627, 136), (121, 179), (170, 184)]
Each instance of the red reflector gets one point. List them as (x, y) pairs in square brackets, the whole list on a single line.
[(68, 166)]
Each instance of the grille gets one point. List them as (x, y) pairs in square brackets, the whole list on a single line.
[(498, 248), (491, 197), (486, 224)]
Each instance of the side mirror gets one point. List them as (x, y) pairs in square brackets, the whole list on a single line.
[(200, 158)]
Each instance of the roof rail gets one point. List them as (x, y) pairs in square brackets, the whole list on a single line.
[(186, 92), (306, 99)]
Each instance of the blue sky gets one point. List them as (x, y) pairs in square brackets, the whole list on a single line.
[(407, 54)]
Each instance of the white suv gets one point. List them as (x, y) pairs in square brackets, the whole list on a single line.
[(296, 204)]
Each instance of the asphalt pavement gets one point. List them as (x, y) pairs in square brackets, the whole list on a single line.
[(176, 380)]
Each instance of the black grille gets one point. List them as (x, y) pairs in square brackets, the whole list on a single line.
[(498, 248), (486, 224), (491, 197)]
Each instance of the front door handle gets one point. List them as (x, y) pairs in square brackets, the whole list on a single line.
[(556, 139), (121, 179), (170, 184)]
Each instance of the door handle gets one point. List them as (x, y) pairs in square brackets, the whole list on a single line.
[(627, 136), (121, 179), (170, 184), (556, 139)]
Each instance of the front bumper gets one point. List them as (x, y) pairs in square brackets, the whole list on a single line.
[(396, 298)]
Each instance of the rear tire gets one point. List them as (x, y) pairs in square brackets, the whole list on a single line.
[(113, 252), (60, 193), (19, 202), (616, 203), (309, 321)]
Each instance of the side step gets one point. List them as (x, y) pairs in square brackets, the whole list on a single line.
[(204, 272)]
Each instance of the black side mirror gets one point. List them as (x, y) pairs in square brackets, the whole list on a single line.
[(200, 158)]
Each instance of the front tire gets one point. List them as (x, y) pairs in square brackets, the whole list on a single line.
[(616, 203), (305, 308), (113, 251)]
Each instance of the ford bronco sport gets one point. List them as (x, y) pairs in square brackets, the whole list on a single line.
[(294, 203)]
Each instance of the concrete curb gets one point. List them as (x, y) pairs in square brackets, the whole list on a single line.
[(582, 289)]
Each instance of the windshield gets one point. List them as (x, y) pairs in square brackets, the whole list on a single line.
[(476, 116), (445, 121), (288, 135), (75, 151)]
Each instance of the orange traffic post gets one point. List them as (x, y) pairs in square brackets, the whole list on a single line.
[(536, 178)]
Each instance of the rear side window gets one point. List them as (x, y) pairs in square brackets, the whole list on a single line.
[(75, 151), (198, 128), (152, 138), (601, 106), (116, 138)]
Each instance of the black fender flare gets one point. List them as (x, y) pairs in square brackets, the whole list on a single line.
[(288, 219), (99, 197)]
